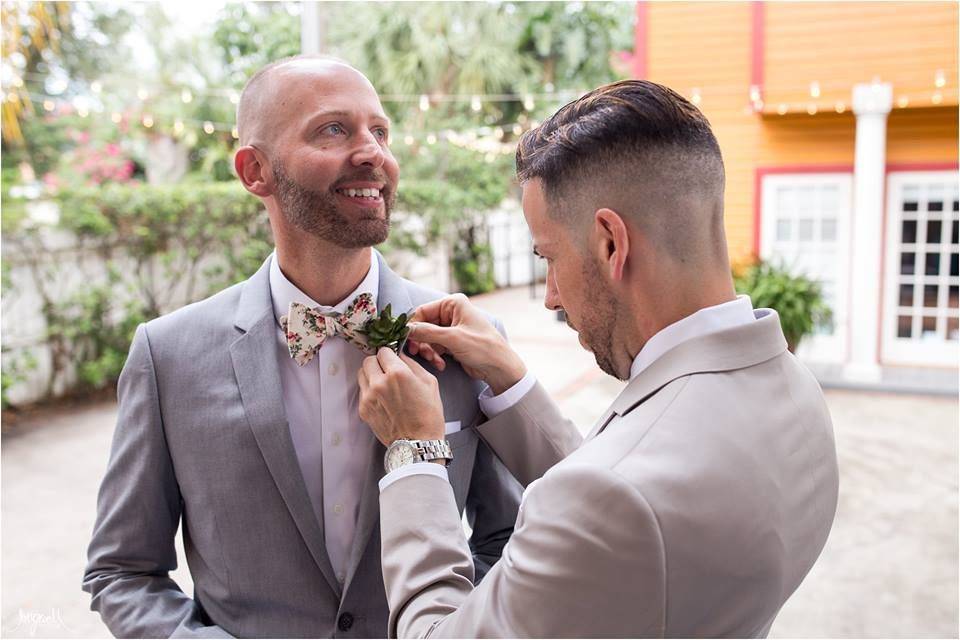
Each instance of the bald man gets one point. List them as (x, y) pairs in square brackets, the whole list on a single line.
[(238, 416)]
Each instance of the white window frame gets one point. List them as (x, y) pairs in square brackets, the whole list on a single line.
[(908, 351), (828, 349)]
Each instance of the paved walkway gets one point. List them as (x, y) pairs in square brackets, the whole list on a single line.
[(889, 568)]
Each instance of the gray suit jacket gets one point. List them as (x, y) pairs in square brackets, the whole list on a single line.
[(202, 441), (694, 509)]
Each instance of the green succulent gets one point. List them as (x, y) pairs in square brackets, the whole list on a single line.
[(386, 331)]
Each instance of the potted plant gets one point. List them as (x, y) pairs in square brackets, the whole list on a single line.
[(796, 298)]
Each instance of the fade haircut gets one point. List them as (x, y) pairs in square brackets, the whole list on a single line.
[(640, 149), (253, 99)]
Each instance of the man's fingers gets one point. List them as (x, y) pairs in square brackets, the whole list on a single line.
[(429, 312), (415, 367), (432, 355), (371, 369), (389, 361), (425, 332)]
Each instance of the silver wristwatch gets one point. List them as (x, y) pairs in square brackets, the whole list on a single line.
[(403, 452)]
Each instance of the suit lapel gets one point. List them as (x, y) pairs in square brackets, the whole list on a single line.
[(393, 291), (736, 348), (254, 356)]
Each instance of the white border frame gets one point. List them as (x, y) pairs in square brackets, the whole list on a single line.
[(907, 351), (832, 349)]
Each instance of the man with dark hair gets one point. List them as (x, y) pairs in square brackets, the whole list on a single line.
[(705, 493), (238, 415)]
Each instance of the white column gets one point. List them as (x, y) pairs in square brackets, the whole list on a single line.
[(311, 27), (871, 104)]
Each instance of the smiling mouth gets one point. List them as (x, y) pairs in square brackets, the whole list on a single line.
[(368, 195)]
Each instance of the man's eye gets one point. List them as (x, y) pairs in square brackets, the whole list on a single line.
[(381, 134), (333, 130)]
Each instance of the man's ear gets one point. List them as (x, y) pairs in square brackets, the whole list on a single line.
[(250, 166), (612, 242)]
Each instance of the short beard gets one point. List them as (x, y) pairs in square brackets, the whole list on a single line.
[(599, 320), (317, 213)]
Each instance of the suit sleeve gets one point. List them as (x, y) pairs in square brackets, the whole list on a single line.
[(138, 511), (587, 560)]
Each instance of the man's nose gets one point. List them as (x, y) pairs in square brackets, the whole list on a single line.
[(368, 152), (551, 299)]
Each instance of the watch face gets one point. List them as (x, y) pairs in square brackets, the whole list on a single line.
[(399, 454)]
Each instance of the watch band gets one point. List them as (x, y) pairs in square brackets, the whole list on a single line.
[(430, 450)]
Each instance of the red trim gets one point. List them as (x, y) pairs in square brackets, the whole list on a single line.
[(922, 166), (896, 168), (758, 44), (640, 41), (767, 171)]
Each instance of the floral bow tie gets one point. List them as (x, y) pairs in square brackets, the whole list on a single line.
[(306, 328)]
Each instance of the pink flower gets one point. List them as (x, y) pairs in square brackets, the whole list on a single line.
[(112, 149)]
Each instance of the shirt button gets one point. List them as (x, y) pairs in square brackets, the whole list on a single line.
[(344, 622), (337, 439), (333, 369), (338, 509)]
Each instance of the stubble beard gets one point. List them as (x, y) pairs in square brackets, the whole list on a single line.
[(317, 213), (599, 318)]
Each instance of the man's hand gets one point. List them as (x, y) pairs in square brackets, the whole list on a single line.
[(453, 325), (399, 399)]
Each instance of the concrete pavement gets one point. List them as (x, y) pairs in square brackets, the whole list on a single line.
[(889, 568)]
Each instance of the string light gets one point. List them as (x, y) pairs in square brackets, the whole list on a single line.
[(940, 79), (528, 102), (408, 139), (208, 127), (148, 121), (936, 98), (431, 139), (96, 86), (841, 107), (475, 103), (142, 93), (814, 89), (49, 105), (178, 127), (186, 96), (424, 103), (116, 117), (517, 129), (903, 102), (695, 97), (782, 109), (754, 93), (812, 109), (234, 97), (235, 133)]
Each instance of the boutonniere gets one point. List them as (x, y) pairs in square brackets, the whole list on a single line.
[(383, 330)]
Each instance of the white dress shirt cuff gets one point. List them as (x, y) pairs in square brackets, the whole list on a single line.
[(417, 468), (492, 405)]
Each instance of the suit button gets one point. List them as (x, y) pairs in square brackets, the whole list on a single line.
[(345, 622)]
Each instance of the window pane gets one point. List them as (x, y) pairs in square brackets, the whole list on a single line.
[(906, 295), (904, 326), (954, 267), (909, 233), (954, 298), (933, 231), (786, 200), (911, 198), (784, 229), (953, 330), (935, 205), (932, 264), (907, 263), (806, 199), (805, 230), (955, 234), (929, 328), (828, 229), (930, 295)]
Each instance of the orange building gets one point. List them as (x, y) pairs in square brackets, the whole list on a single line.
[(838, 124)]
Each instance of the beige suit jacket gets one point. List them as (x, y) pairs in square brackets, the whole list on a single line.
[(694, 509)]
